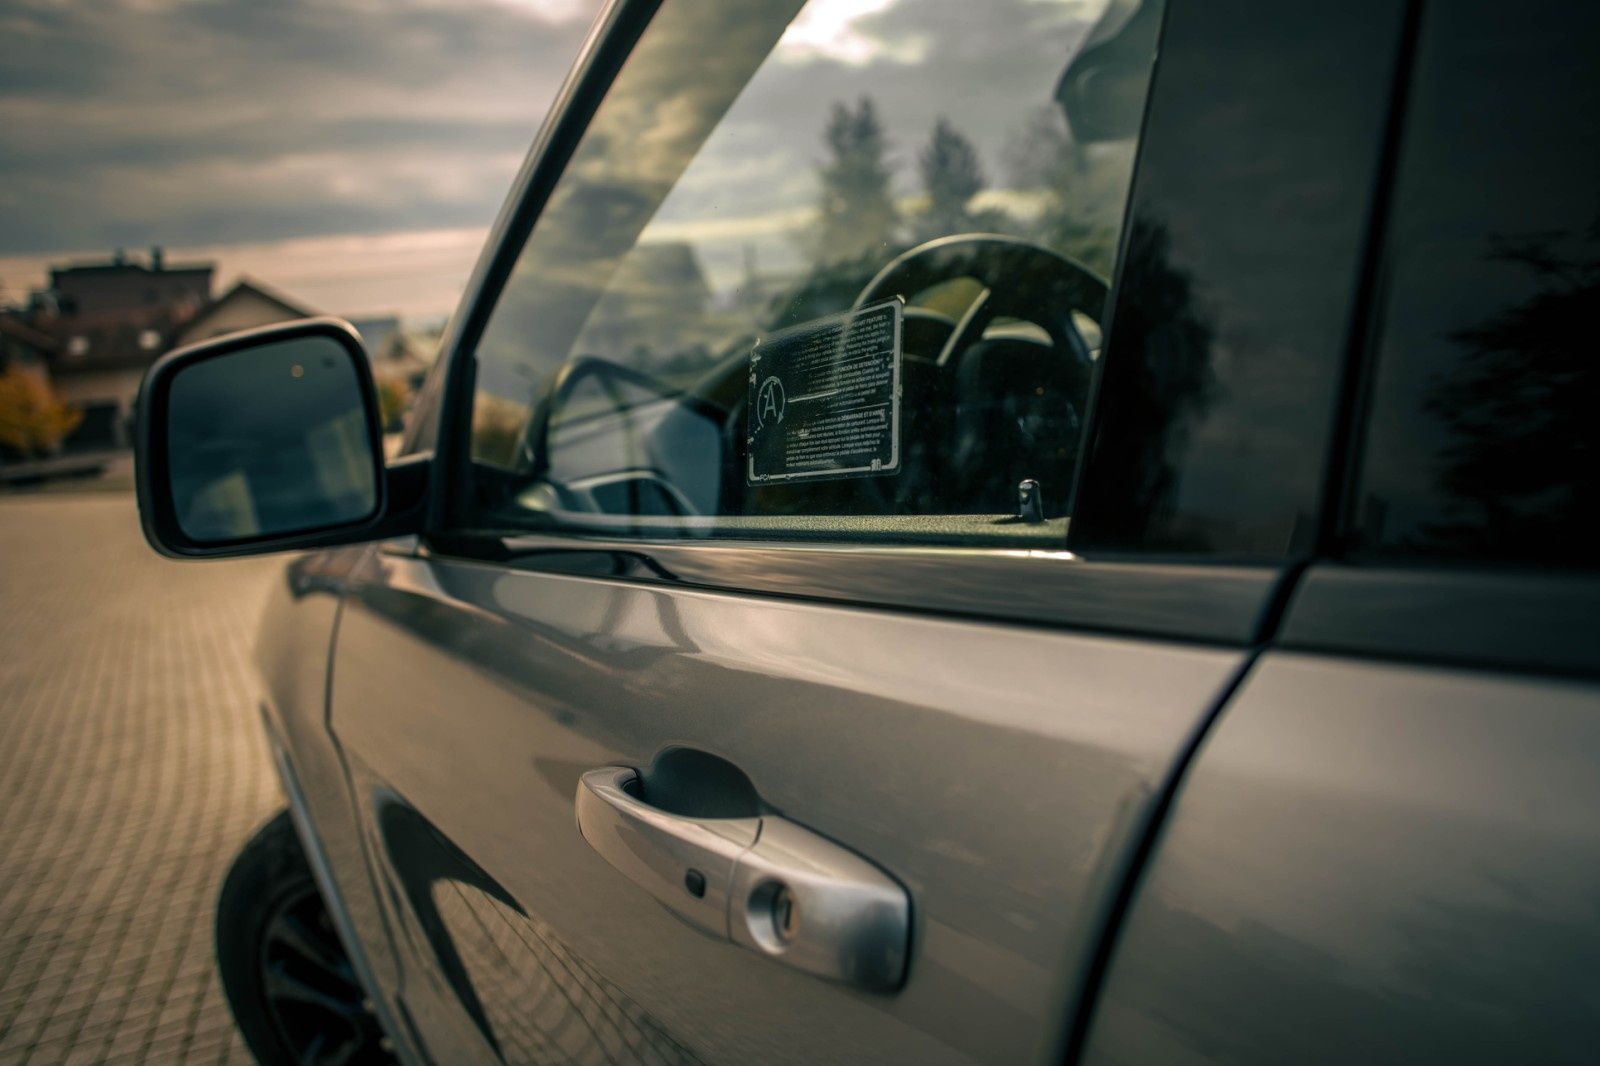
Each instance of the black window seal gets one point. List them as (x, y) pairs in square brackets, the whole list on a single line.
[(1354, 400), (1504, 619)]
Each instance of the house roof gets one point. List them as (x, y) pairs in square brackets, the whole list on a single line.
[(246, 286), (77, 269), (23, 333)]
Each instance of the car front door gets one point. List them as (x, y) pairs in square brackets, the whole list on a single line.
[(724, 721)]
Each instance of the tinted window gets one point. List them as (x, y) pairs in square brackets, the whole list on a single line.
[(1247, 234), (822, 270), (1482, 441)]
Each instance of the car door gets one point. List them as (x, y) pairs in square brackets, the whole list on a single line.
[(1387, 850), (722, 721)]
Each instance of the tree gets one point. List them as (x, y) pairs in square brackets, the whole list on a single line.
[(1517, 459), (856, 212), (394, 400), (1166, 391), (951, 176), (33, 419)]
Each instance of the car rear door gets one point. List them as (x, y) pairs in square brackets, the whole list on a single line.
[(839, 713), (1388, 850)]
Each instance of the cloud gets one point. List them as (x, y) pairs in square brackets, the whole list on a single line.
[(198, 121), (827, 28), (258, 132), (984, 66)]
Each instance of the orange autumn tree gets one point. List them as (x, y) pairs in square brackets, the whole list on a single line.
[(394, 399), (33, 419)]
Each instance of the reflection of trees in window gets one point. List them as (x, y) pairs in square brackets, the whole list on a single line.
[(497, 430), (857, 212), (1064, 194), (1520, 463), (1167, 382), (951, 175)]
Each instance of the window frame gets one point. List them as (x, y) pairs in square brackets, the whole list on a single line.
[(1204, 598), (1444, 610), (1347, 544)]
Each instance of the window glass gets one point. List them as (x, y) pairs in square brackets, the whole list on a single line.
[(1244, 259), (1482, 441), (828, 268)]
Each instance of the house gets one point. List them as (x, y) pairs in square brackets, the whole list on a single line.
[(399, 355), (109, 321), (247, 305), (99, 326), (378, 333)]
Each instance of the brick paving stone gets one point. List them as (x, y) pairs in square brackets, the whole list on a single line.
[(132, 768)]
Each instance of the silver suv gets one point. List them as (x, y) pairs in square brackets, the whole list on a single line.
[(951, 532)]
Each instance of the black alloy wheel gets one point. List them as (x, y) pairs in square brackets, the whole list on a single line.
[(290, 983)]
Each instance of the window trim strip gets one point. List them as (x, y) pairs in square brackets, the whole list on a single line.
[(1541, 621), (1190, 601)]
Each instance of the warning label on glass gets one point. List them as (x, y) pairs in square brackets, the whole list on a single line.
[(825, 398)]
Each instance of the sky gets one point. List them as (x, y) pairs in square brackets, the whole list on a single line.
[(351, 153)]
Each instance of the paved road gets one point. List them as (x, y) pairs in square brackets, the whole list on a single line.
[(131, 769)]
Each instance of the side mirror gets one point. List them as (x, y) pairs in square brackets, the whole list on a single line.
[(265, 441)]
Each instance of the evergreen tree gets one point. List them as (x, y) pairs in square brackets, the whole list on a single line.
[(951, 177), (856, 213)]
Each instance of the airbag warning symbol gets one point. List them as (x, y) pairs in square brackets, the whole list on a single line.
[(824, 398)]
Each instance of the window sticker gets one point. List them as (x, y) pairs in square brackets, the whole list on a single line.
[(824, 398)]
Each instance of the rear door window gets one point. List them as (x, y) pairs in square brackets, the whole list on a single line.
[(1482, 438)]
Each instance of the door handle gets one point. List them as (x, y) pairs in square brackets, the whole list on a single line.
[(762, 882)]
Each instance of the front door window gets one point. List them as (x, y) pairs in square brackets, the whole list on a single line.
[(835, 269)]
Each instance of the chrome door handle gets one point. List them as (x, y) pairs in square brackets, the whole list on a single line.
[(762, 882), (685, 863)]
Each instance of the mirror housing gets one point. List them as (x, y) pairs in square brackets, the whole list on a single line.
[(269, 440)]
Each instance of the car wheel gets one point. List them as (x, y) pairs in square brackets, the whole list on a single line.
[(289, 982)]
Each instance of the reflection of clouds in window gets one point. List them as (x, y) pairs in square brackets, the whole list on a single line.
[(551, 10), (987, 65), (861, 33), (653, 121), (748, 172), (749, 196), (832, 29)]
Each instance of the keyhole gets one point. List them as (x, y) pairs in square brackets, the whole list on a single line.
[(785, 914)]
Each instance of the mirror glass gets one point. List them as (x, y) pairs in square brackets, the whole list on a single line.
[(269, 441)]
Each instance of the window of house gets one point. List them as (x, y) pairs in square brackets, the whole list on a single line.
[(822, 269)]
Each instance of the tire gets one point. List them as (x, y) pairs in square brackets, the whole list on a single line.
[(288, 980)]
